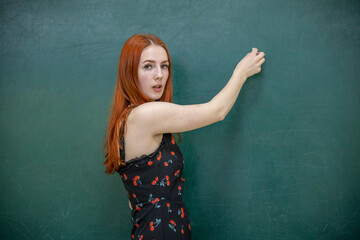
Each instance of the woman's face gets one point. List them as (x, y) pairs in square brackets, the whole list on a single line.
[(153, 71)]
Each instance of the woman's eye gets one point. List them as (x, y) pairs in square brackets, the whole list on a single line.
[(165, 66), (148, 67)]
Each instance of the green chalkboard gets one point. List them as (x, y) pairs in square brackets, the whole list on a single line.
[(284, 164)]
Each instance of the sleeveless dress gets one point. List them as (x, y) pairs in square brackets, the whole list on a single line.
[(154, 185)]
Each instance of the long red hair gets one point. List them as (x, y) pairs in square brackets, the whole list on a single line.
[(128, 95)]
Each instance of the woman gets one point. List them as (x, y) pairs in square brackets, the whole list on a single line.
[(140, 145)]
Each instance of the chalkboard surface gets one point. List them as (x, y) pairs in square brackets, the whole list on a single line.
[(284, 164)]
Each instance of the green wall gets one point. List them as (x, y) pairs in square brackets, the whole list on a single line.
[(284, 164)]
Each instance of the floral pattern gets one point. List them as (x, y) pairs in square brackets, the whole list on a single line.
[(154, 185)]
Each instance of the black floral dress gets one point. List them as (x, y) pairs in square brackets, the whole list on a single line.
[(154, 184)]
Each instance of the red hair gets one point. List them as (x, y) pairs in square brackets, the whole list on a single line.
[(128, 95)]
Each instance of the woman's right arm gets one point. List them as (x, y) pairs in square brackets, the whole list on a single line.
[(161, 117)]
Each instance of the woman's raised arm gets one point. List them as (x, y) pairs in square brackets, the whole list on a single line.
[(162, 117)]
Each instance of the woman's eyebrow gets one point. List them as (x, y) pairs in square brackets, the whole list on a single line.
[(152, 61)]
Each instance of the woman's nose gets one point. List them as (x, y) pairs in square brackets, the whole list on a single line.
[(159, 73)]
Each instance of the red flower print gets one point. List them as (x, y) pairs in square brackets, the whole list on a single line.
[(181, 212), (134, 196), (153, 225), (136, 180), (167, 182), (168, 206), (166, 179), (177, 173), (150, 163), (155, 181), (159, 157), (155, 200), (172, 225), (167, 163)]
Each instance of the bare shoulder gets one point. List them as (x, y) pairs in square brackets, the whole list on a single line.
[(154, 118), (147, 115), (138, 116), (149, 108), (139, 141)]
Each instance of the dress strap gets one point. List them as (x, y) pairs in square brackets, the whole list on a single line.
[(122, 125), (122, 151)]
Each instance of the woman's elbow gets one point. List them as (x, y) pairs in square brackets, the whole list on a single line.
[(218, 111), (221, 114)]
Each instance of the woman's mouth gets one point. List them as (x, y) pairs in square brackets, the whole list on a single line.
[(157, 88)]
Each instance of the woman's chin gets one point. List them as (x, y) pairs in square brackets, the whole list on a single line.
[(155, 97)]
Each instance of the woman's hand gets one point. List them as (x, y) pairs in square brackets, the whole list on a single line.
[(250, 64)]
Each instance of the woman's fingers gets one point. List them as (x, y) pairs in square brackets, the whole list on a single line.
[(251, 63), (262, 61), (260, 55)]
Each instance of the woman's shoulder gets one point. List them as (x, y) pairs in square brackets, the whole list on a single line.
[(139, 115), (139, 139), (148, 108)]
